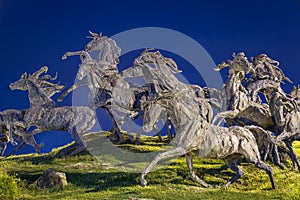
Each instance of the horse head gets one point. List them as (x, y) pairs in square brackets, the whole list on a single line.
[(239, 64), (263, 58), (268, 68), (97, 40), (158, 60), (295, 93), (109, 51), (20, 84)]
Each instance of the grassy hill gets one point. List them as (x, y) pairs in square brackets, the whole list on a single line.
[(91, 178)]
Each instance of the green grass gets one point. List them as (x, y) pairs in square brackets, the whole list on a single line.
[(90, 179)]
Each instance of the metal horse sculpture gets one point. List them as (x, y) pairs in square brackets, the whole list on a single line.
[(243, 104), (194, 135), (102, 78), (108, 89), (286, 119), (46, 116), (19, 128), (153, 113), (239, 108)]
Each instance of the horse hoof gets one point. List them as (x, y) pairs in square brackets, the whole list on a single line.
[(225, 187), (143, 182), (212, 186), (282, 166)]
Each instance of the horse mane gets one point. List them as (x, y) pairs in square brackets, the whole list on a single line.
[(43, 82), (157, 58)]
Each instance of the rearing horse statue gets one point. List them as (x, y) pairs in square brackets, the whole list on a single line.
[(102, 78)]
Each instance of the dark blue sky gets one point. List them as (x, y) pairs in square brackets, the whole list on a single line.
[(37, 33)]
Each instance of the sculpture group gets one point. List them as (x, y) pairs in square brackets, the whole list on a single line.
[(261, 118)]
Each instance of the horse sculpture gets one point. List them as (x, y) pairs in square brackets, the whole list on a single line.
[(16, 117), (108, 89), (286, 119), (194, 135), (239, 109), (45, 115), (244, 106), (102, 77)]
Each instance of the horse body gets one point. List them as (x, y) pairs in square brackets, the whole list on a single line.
[(78, 119), (194, 135)]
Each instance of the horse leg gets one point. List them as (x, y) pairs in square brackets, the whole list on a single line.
[(216, 118), (266, 152), (31, 141), (2, 148), (76, 53), (115, 129), (261, 165), (73, 87), (178, 151), (128, 131), (169, 127), (189, 162), (28, 138), (157, 133), (284, 136), (250, 151), (276, 156), (293, 155), (231, 162), (78, 140), (20, 146), (226, 114), (138, 136)]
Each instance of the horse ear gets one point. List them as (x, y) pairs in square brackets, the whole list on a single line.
[(24, 75), (93, 34)]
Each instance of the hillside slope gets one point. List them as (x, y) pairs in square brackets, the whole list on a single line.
[(90, 178)]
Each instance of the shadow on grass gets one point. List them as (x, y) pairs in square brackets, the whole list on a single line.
[(39, 159), (28, 177), (103, 180)]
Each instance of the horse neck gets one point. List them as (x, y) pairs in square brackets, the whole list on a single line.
[(167, 79), (233, 84), (36, 96), (181, 109), (107, 52)]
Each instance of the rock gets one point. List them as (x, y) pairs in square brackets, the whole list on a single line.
[(51, 179)]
